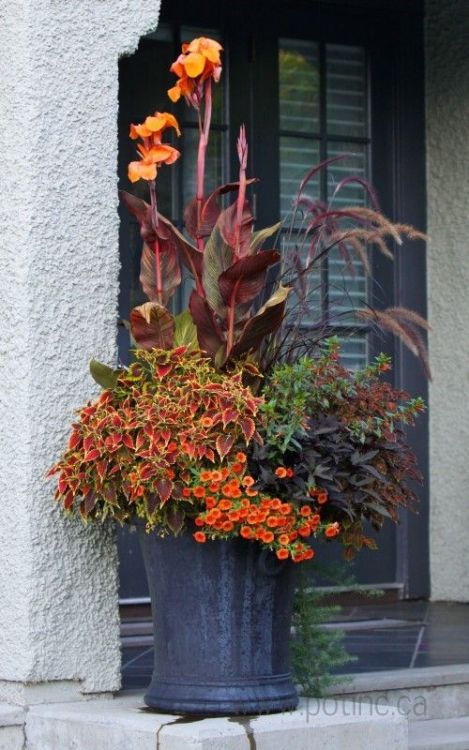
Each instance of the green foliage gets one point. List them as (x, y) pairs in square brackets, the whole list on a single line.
[(316, 651), (340, 435)]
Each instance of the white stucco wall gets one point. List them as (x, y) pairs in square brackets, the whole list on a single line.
[(447, 73), (58, 296)]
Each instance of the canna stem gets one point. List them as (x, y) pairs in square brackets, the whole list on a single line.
[(201, 156), (156, 244)]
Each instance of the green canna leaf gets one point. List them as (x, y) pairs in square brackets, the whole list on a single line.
[(104, 376)]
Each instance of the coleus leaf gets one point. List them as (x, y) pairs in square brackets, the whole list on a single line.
[(104, 376), (265, 322), (223, 444), (164, 487), (152, 326), (244, 280), (218, 257), (248, 427), (169, 269), (175, 519), (209, 334)]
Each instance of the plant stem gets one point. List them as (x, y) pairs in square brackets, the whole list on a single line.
[(156, 244), (201, 156)]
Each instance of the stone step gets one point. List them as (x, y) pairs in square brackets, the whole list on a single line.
[(440, 734), (125, 724), (11, 727), (420, 694)]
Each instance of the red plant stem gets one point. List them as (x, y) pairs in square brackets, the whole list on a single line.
[(156, 244), (242, 153), (201, 156), (231, 321)]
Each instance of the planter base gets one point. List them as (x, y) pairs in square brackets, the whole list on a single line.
[(222, 698)]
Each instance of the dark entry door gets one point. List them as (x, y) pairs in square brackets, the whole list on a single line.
[(310, 81)]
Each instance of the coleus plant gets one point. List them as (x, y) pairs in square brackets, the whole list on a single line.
[(131, 451)]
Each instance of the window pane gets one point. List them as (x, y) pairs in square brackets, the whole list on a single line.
[(297, 156), (354, 350), (299, 86), (346, 90)]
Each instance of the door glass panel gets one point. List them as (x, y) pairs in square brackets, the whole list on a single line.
[(316, 124)]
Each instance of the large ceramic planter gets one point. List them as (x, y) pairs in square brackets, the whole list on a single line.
[(221, 615)]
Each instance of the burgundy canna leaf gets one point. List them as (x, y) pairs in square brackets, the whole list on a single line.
[(169, 269), (228, 224), (244, 280), (209, 335), (265, 322)]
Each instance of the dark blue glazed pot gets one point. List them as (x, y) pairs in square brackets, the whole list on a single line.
[(221, 617)]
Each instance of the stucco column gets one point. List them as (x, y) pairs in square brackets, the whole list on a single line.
[(447, 66), (59, 632)]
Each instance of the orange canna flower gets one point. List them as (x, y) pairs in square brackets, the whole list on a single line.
[(152, 151), (146, 168), (199, 536), (281, 472), (199, 60), (154, 126)]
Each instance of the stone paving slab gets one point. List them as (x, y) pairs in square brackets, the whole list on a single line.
[(124, 724), (440, 734)]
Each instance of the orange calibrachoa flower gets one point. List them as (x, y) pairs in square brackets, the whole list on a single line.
[(152, 150), (230, 512), (199, 61), (281, 472), (332, 530)]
